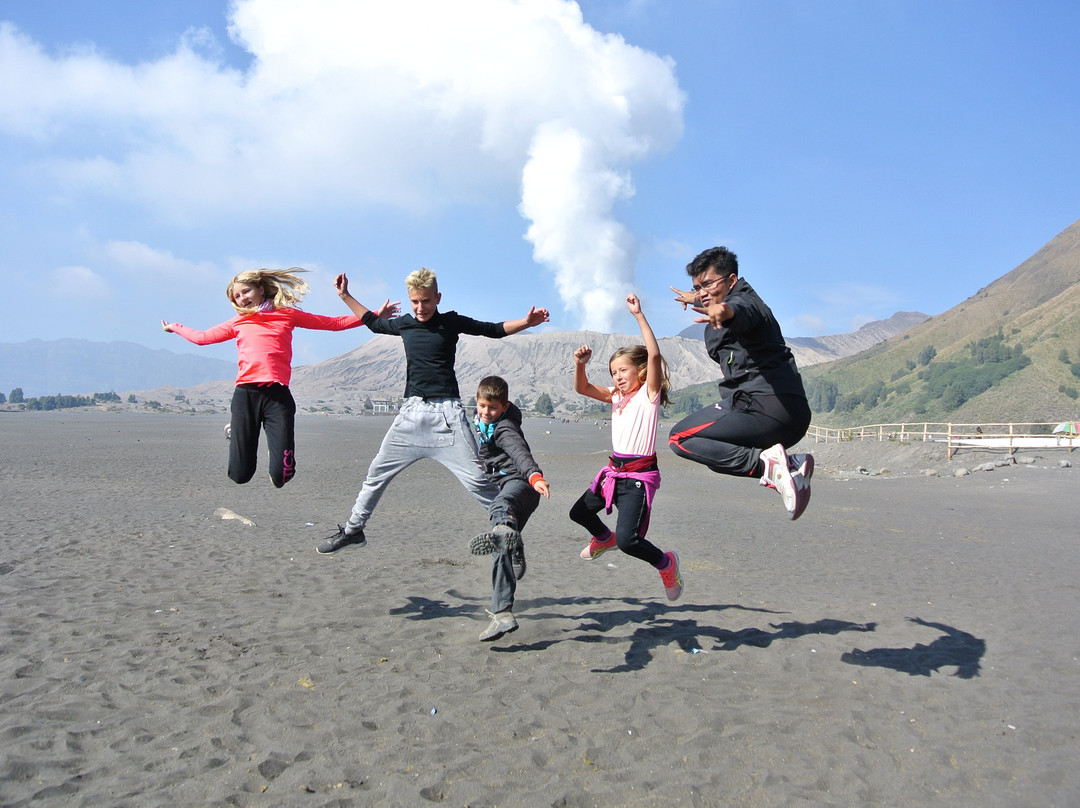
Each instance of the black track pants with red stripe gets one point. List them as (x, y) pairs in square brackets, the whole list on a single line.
[(728, 436)]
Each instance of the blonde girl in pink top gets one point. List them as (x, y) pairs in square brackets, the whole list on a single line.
[(265, 301), (632, 477)]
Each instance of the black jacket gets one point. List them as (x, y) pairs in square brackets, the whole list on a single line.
[(506, 455), (750, 349)]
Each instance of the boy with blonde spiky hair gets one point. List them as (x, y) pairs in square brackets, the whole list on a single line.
[(432, 421)]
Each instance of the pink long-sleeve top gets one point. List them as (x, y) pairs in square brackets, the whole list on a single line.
[(264, 340)]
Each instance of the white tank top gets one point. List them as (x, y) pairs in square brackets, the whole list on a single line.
[(633, 422)]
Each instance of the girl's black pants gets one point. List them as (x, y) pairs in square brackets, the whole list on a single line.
[(271, 408)]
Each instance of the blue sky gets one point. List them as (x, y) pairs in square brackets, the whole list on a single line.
[(862, 158)]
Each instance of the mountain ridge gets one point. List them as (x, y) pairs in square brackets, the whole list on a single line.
[(815, 350), (72, 366), (375, 368), (1032, 311), (532, 364), (1035, 306)]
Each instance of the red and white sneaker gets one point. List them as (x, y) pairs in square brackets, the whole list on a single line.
[(802, 464), (794, 488)]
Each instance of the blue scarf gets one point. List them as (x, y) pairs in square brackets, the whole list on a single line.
[(486, 431)]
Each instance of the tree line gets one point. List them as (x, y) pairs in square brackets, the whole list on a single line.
[(948, 384), (57, 402)]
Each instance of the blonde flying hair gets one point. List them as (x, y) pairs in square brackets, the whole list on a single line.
[(639, 357), (281, 287), (422, 278)]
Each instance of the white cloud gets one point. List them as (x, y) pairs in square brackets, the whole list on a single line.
[(847, 295), (78, 284), (834, 304), (807, 324), (857, 321), (142, 259), (674, 250), (413, 104)]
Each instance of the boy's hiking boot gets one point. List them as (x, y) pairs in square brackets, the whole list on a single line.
[(495, 540), (793, 487), (671, 577), (501, 623), (331, 544), (517, 560), (597, 548)]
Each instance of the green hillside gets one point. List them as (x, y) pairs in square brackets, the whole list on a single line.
[(1010, 352)]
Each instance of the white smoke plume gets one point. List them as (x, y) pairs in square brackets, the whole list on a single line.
[(413, 104)]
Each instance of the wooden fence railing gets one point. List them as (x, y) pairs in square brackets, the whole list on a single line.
[(1011, 436)]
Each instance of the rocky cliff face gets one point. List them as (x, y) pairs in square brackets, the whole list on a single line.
[(814, 350), (535, 363), (531, 364)]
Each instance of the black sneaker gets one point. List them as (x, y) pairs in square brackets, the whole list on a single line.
[(517, 559), (496, 540), (486, 543), (331, 544)]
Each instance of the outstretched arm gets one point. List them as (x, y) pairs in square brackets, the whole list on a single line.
[(341, 285), (513, 442), (686, 298), (534, 317), (715, 314), (655, 370), (219, 333), (389, 309), (581, 379)]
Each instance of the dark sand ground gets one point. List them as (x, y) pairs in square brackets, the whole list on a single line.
[(911, 641)]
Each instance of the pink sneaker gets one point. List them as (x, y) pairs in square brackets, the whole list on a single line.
[(597, 547), (671, 577)]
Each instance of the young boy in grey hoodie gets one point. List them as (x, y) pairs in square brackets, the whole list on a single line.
[(506, 457)]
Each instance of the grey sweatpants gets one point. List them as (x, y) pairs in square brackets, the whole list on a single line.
[(437, 429)]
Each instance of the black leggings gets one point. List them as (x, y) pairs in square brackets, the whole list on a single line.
[(631, 525), (272, 408), (728, 436)]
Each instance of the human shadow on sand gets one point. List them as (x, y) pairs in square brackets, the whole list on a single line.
[(418, 607), (693, 637), (421, 608), (657, 624), (956, 648)]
